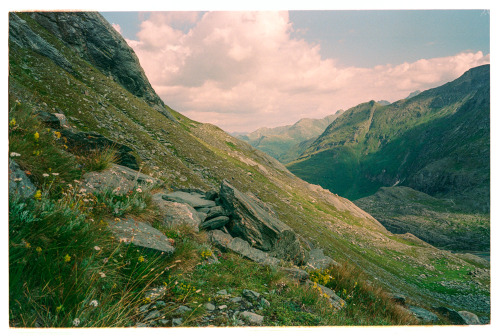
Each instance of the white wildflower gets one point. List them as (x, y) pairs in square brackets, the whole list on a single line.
[(149, 181), (55, 174), (139, 190), (12, 154), (45, 175), (97, 248), (18, 179), (102, 274), (93, 303), (76, 322)]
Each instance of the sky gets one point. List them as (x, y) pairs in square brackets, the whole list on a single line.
[(245, 70)]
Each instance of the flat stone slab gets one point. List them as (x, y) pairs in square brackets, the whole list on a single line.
[(215, 223), (192, 198), (130, 231), (177, 214), (118, 178), (241, 247)]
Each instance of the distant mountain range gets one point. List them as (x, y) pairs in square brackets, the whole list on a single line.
[(286, 143), (436, 144)]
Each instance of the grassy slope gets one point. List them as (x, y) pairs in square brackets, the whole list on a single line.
[(190, 154)]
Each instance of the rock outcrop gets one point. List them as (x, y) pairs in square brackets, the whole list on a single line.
[(259, 228), (96, 41)]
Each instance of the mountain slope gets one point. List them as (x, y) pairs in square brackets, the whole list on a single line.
[(285, 143), (48, 74), (436, 142)]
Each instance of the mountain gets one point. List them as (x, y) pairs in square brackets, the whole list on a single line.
[(125, 213), (285, 143), (436, 142)]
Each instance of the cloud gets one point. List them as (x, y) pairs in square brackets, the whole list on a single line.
[(244, 70), (117, 27)]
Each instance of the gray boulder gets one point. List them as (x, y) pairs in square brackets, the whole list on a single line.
[(225, 242), (19, 183), (215, 223), (177, 214), (452, 315), (252, 318), (192, 198), (250, 294), (130, 231), (119, 178), (251, 222), (318, 260), (423, 314), (469, 318)]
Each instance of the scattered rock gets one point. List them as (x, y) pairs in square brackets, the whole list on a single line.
[(152, 315), (222, 292), (423, 314), (194, 199), (19, 183), (252, 318), (222, 307), (209, 306), (215, 223), (177, 214), (237, 299), (257, 226), (140, 234), (118, 178), (182, 310), (176, 322), (250, 294), (264, 303), (469, 318)]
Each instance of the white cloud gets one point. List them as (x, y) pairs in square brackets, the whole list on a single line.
[(117, 27), (243, 70)]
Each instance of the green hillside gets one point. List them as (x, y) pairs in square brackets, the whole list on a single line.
[(436, 142)]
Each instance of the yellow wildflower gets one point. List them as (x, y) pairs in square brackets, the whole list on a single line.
[(27, 245), (57, 134), (146, 300), (39, 249), (38, 195), (141, 259), (67, 258), (58, 309), (36, 136), (12, 122)]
